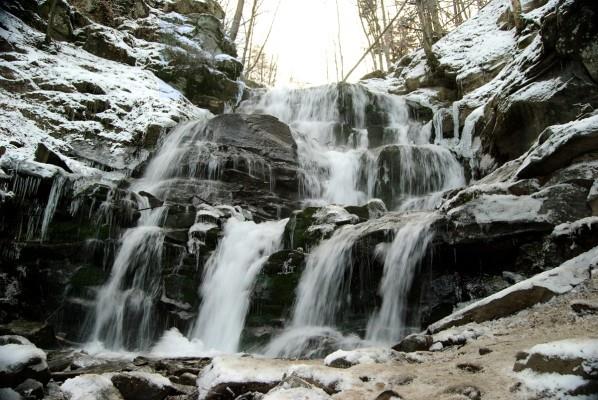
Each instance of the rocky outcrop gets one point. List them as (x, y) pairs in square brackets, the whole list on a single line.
[(243, 160), (524, 294), (559, 145)]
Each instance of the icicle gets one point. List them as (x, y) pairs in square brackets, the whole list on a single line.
[(53, 199)]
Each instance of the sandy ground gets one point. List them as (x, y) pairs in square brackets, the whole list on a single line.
[(434, 378)]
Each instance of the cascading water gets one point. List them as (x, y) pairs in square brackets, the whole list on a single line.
[(320, 296), (403, 169), (387, 324), (343, 133), (229, 278), (353, 145), (124, 308)]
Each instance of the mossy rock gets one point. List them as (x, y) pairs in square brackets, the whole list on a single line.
[(274, 291), (63, 228), (296, 232)]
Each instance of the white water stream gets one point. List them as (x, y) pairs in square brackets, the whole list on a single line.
[(228, 281)]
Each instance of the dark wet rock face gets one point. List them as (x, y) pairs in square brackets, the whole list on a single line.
[(250, 161)]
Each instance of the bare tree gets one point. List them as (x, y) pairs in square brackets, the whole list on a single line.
[(236, 22), (250, 24), (340, 48), (50, 26)]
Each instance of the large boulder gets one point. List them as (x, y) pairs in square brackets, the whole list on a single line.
[(560, 144), (572, 32), (90, 386), (500, 215), (21, 360), (519, 115), (570, 365), (255, 161)]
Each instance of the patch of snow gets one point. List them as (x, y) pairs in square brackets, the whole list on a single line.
[(539, 91), (373, 355), (552, 386), (298, 393), (501, 208), (477, 42), (136, 97), (571, 228), (202, 226), (583, 348), (15, 356), (90, 386), (460, 334)]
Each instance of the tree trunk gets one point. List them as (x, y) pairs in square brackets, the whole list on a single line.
[(249, 36), (234, 26), (50, 26), (428, 36), (340, 47), (385, 38), (516, 9)]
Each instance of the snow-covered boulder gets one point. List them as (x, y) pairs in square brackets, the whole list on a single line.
[(21, 360), (488, 215), (560, 144), (562, 368), (524, 294), (374, 355), (91, 386)]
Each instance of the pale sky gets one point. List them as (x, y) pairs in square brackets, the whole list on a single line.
[(304, 35)]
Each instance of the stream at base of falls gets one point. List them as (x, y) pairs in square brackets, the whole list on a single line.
[(353, 145)]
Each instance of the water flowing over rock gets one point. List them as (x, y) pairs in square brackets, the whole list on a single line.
[(339, 130), (447, 208), (229, 278)]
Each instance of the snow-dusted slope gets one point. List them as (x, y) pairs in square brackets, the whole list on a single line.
[(107, 109)]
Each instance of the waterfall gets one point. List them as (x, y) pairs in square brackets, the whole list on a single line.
[(331, 125), (228, 280), (124, 313), (353, 145), (320, 296), (323, 291), (387, 325)]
